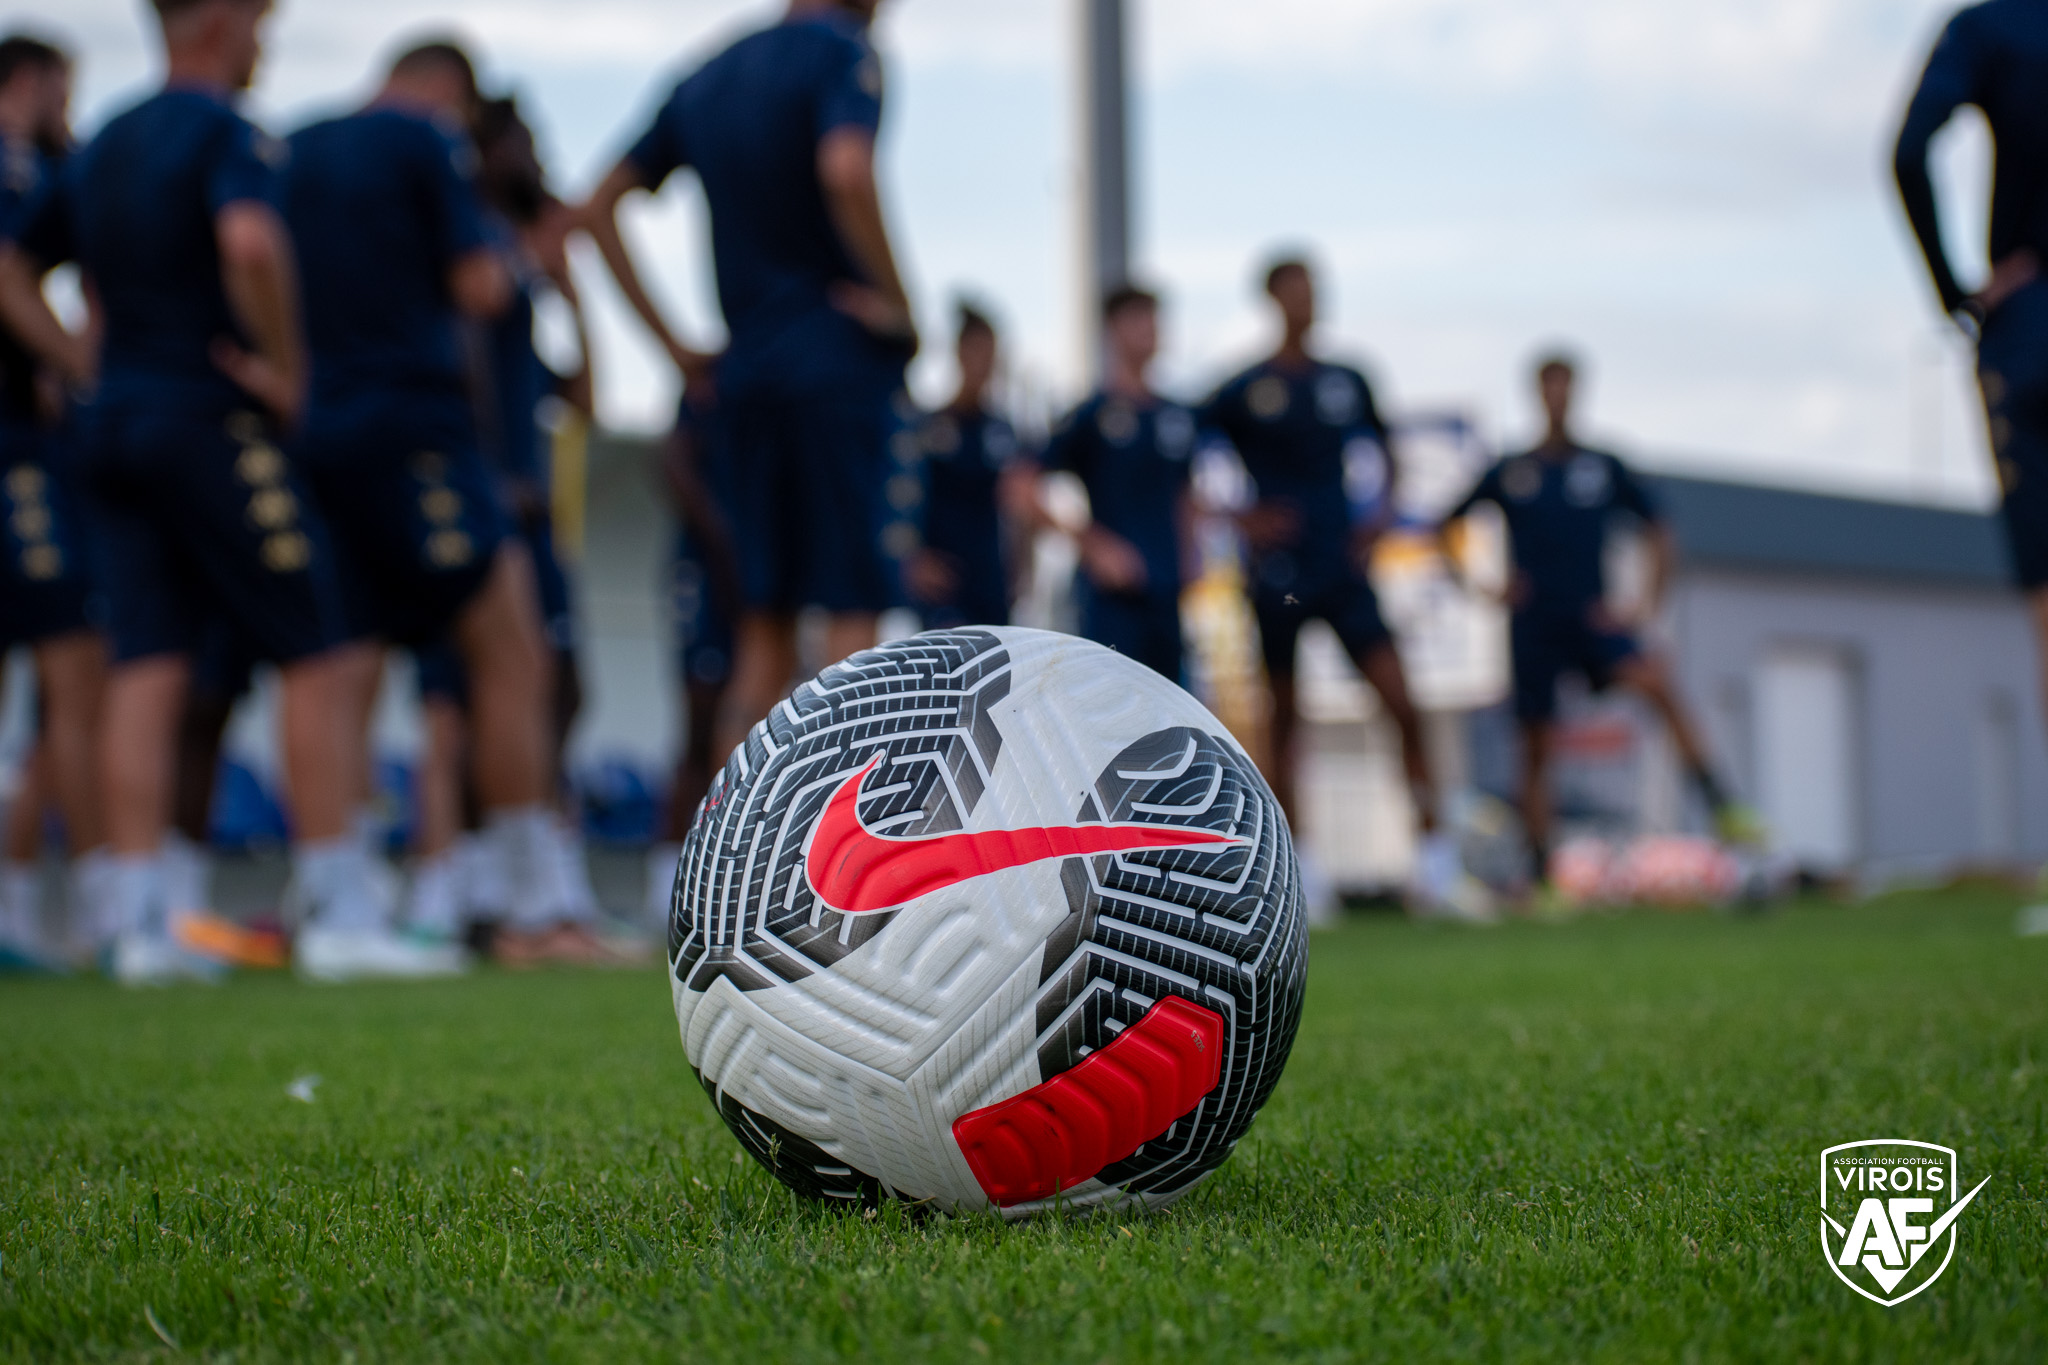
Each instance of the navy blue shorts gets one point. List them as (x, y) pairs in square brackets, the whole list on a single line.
[(824, 507), (703, 621), (1284, 601), (223, 663), (1145, 628), (413, 510), (198, 515), (2012, 370), (45, 589), (438, 665), (1549, 644)]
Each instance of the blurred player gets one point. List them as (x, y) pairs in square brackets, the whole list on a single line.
[(196, 509), (704, 577), (44, 585), (780, 129), (1995, 56), (1559, 500), (383, 206), (1307, 430), (972, 471), (457, 881), (1131, 449)]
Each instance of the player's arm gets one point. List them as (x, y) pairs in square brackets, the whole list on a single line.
[(578, 390), (1950, 81), (599, 216), (1631, 496), (481, 283), (1446, 549), (260, 280), (846, 173), (28, 316)]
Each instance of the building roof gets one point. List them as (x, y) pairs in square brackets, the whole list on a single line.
[(1745, 526)]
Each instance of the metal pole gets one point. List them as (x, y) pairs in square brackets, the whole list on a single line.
[(1105, 123)]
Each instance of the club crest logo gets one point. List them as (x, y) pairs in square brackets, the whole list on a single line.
[(1888, 1211)]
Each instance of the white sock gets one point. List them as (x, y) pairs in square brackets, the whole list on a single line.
[(520, 837), (366, 827), (188, 873), (21, 902), (134, 894), (434, 903), (334, 884)]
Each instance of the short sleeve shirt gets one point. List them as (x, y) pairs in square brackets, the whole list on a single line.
[(382, 204), (26, 175), (137, 210), (1133, 458), (1298, 432), (749, 123), (965, 455), (1559, 511)]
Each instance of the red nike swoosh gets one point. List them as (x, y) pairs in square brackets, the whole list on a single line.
[(858, 872)]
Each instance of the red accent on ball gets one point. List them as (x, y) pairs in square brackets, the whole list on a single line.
[(1108, 1105)]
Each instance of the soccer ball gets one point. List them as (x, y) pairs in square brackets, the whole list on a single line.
[(989, 917)]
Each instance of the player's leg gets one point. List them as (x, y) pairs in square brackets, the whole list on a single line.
[(2038, 602), (1279, 615), (705, 653), (1650, 678), (764, 662), (220, 677), (1535, 665), (435, 903), (71, 672), (22, 940), (770, 503), (1538, 742)]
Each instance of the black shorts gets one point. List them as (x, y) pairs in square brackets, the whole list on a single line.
[(824, 504), (2012, 370), (200, 515), (412, 506), (1549, 644), (45, 589), (1285, 601)]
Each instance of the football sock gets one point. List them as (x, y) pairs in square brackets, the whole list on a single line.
[(134, 895), (333, 877), (661, 882), (21, 893), (520, 837)]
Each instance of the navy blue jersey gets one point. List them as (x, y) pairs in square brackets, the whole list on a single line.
[(1294, 430), (965, 456), (1993, 56), (137, 210), (26, 175), (1558, 511), (749, 123), (382, 205), (1133, 459)]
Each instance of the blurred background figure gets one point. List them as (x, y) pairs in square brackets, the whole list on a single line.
[(1995, 57), (44, 582), (399, 257), (780, 129), (1559, 499), (974, 474), (1132, 450), (1320, 460)]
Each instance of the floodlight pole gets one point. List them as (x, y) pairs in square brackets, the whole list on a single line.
[(1105, 149)]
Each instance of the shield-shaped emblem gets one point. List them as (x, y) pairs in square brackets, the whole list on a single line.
[(1888, 1211)]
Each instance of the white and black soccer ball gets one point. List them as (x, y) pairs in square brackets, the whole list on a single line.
[(989, 917)]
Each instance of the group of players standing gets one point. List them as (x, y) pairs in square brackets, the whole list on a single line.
[(299, 428)]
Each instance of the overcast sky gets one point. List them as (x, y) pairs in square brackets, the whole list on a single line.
[(1696, 197)]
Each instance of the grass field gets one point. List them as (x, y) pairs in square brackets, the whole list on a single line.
[(1596, 1141)]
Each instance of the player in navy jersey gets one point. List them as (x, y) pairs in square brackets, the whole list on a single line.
[(1995, 56), (515, 384), (44, 587), (1314, 443), (1132, 450), (780, 129), (972, 466), (384, 206), (1560, 500), (197, 508)]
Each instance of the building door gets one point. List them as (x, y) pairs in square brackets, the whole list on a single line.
[(1806, 754)]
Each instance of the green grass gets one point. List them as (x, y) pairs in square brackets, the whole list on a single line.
[(1597, 1141)]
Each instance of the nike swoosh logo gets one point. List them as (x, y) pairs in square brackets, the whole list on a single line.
[(858, 872)]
